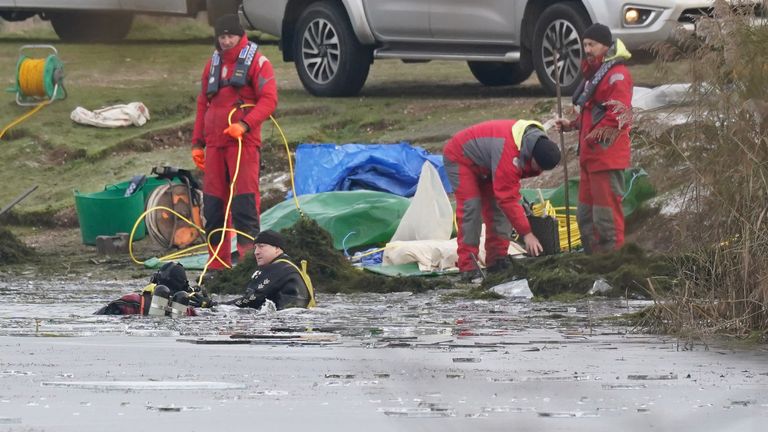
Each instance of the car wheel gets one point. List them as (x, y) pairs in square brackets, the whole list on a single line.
[(495, 74), (329, 59), (84, 26), (559, 28)]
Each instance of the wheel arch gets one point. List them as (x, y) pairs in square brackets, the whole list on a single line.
[(353, 9), (534, 9)]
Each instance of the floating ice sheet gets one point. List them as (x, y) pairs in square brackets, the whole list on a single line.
[(144, 385)]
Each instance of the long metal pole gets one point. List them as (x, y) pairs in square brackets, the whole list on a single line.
[(18, 199), (562, 145)]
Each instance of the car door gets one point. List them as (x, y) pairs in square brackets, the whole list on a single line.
[(489, 21), (398, 19), (72, 4)]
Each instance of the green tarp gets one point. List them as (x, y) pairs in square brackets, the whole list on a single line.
[(637, 189), (361, 217), (365, 218)]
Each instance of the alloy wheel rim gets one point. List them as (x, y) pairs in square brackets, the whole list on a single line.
[(561, 33), (320, 51)]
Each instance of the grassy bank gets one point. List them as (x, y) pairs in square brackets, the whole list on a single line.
[(160, 65), (723, 154)]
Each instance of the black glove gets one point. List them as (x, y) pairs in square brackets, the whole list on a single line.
[(200, 299)]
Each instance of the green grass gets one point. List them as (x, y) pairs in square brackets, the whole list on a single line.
[(160, 65)]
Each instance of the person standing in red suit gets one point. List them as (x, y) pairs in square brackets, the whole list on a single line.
[(604, 99), (485, 164), (238, 94)]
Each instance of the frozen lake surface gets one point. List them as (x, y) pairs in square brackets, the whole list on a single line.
[(395, 362)]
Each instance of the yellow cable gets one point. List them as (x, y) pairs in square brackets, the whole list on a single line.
[(32, 77), (232, 184), (190, 251), (141, 218), (290, 165), (31, 83), (23, 117), (224, 229)]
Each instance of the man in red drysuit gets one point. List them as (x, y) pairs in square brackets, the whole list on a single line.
[(604, 122), (485, 164), (238, 94)]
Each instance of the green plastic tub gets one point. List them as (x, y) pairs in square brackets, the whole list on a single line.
[(109, 212), (150, 185)]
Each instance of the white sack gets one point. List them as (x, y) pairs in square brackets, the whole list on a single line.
[(134, 113)]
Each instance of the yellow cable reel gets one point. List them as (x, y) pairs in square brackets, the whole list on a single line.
[(39, 80)]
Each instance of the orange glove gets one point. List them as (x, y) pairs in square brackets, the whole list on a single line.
[(198, 156), (236, 130)]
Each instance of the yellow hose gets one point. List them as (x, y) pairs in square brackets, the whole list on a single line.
[(31, 83), (141, 218), (32, 77), (192, 250), (23, 117)]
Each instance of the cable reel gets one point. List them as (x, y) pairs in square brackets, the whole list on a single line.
[(39, 80)]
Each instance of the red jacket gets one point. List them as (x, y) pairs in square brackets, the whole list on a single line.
[(490, 151), (605, 119), (260, 90)]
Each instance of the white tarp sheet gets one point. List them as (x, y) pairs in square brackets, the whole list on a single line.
[(430, 215), (433, 255), (667, 95), (424, 233)]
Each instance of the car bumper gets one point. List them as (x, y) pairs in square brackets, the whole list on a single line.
[(673, 19)]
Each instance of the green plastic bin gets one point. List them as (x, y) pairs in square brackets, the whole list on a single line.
[(149, 186), (109, 212)]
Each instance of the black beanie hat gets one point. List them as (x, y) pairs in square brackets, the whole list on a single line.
[(271, 238), (599, 33), (546, 153), (228, 24)]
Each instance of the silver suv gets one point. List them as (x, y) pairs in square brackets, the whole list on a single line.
[(106, 20), (334, 42)]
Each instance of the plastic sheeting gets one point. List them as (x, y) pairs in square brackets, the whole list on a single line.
[(644, 98), (393, 168), (353, 218), (637, 189), (430, 215), (435, 255)]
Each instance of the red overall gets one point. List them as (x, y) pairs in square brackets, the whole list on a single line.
[(604, 153), (221, 150), (485, 165)]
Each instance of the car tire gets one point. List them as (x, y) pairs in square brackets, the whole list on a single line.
[(84, 26), (564, 23), (217, 8), (329, 59), (494, 74)]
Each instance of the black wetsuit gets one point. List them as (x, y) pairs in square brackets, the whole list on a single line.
[(278, 282)]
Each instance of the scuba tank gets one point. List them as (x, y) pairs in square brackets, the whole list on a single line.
[(160, 300), (179, 304)]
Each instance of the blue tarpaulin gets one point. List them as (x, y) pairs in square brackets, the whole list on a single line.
[(393, 168)]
